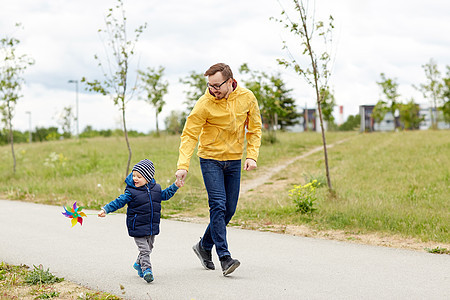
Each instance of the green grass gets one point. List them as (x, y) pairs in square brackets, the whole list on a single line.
[(394, 183), (405, 189), (90, 171), (19, 282)]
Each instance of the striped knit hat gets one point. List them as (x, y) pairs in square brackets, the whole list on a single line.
[(145, 168)]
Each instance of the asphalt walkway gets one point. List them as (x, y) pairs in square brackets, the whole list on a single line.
[(100, 255)]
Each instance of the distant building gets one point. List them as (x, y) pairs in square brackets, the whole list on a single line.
[(425, 112), (309, 121), (367, 122), (389, 122)]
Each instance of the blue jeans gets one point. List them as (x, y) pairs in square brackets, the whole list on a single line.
[(222, 181)]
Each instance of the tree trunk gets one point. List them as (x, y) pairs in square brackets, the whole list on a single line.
[(435, 114), (126, 139), (157, 127), (306, 119), (318, 97), (11, 138), (325, 152)]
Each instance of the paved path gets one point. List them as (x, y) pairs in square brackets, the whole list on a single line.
[(99, 255)]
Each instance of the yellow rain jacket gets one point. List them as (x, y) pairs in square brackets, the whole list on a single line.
[(219, 125)]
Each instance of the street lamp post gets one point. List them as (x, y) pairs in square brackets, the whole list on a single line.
[(30, 137), (76, 107)]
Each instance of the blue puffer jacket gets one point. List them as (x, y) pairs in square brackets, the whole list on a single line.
[(144, 206)]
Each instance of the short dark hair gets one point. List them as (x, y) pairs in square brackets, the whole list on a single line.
[(220, 67)]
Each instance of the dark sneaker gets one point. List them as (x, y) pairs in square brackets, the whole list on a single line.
[(137, 267), (148, 275), (229, 265), (204, 256)]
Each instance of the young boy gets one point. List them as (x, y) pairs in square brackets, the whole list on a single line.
[(143, 197)]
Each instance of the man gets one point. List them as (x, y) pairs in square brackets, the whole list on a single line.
[(219, 121)]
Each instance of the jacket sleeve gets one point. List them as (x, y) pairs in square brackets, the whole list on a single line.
[(254, 126), (189, 137), (168, 193), (118, 203)]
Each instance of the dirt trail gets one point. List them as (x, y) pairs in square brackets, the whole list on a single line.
[(265, 177)]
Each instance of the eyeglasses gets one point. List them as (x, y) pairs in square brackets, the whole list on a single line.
[(216, 87)]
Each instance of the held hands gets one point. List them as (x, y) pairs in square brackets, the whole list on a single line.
[(249, 164), (178, 183), (181, 176)]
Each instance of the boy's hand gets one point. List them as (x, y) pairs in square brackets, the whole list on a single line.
[(102, 214), (178, 183), (181, 176)]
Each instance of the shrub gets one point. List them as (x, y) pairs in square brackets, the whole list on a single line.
[(438, 250), (39, 276), (304, 197)]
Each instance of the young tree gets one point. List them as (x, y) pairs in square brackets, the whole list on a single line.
[(379, 111), (65, 120), (197, 86), (266, 89), (273, 106), (119, 51), (446, 97), (317, 71), (328, 103), (175, 122), (12, 68), (409, 115), (155, 89), (290, 115), (389, 89), (433, 89)]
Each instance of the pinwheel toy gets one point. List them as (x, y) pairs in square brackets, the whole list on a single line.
[(75, 214)]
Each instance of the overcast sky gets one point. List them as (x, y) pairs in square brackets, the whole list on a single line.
[(395, 37)]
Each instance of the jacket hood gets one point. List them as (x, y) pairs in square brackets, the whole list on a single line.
[(129, 181)]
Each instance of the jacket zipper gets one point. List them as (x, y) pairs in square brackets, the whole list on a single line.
[(134, 222), (151, 212)]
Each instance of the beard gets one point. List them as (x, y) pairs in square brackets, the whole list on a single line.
[(219, 94)]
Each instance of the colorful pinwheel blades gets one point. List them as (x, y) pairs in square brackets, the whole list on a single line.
[(75, 214)]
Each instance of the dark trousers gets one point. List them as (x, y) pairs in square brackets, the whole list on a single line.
[(222, 181)]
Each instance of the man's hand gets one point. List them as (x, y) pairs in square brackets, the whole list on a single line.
[(249, 164), (181, 176)]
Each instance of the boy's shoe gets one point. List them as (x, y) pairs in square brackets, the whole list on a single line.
[(137, 267), (228, 264), (204, 256), (148, 275)]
